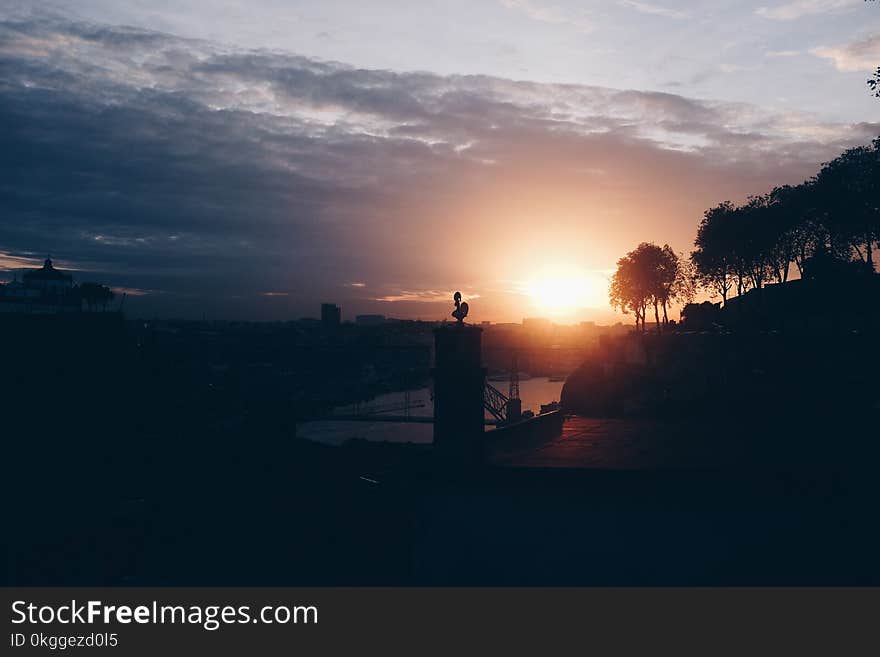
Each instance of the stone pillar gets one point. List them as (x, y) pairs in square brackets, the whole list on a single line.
[(459, 378), (514, 410)]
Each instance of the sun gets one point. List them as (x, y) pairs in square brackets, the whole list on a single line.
[(560, 293)]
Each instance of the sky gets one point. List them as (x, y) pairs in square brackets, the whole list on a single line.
[(250, 160)]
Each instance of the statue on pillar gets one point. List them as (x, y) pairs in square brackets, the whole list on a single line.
[(461, 308)]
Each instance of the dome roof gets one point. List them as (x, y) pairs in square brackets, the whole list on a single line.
[(47, 273)]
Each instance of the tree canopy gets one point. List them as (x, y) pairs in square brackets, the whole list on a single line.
[(835, 213), (95, 294), (650, 276)]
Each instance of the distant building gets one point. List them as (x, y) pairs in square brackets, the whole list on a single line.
[(44, 290), (331, 315), (48, 279), (369, 320)]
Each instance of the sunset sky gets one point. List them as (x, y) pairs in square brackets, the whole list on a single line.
[(252, 159)]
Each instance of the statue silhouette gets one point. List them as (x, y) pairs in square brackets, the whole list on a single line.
[(461, 308)]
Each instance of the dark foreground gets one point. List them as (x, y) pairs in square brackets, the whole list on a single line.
[(304, 514), (121, 473)]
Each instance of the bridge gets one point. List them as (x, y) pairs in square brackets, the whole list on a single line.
[(464, 404), (494, 402)]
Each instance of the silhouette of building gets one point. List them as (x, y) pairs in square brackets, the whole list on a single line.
[(331, 315), (47, 278), (44, 290)]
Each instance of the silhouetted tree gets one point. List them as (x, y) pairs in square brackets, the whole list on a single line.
[(754, 238), (846, 190), (685, 287), (674, 280), (807, 228), (785, 213), (658, 274), (712, 258), (647, 276), (629, 291), (95, 294)]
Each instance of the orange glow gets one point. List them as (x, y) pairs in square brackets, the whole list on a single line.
[(560, 292)]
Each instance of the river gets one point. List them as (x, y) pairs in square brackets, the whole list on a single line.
[(533, 393)]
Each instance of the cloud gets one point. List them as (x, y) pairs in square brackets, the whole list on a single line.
[(655, 9), (782, 53), (863, 55), (423, 296), (799, 8), (544, 13), (215, 174), (133, 291), (12, 262)]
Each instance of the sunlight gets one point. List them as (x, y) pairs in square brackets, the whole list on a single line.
[(559, 293)]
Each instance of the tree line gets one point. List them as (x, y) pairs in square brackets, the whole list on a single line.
[(94, 295), (835, 214), (834, 217)]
